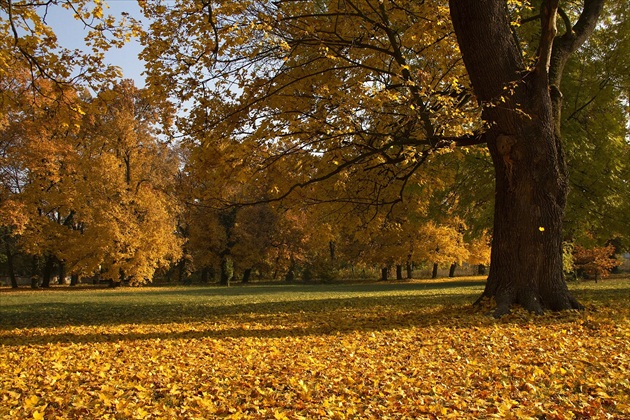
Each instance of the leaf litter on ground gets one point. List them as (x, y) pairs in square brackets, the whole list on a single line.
[(407, 350)]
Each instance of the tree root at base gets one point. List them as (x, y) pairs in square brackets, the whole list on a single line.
[(499, 306)]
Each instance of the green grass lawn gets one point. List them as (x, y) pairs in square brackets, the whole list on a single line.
[(382, 350)]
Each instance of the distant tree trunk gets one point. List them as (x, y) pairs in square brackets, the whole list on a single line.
[(399, 271), (49, 265), (409, 270), (384, 273), (181, 268), (227, 269), (525, 144), (10, 266), (434, 274), (205, 275), (35, 280), (481, 269), (290, 276), (247, 274), (227, 219), (451, 271), (74, 279), (62, 273), (332, 248)]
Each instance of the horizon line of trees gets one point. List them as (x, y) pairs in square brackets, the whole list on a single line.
[(92, 192)]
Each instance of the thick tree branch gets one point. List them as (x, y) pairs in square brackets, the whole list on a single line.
[(565, 20), (573, 38), (467, 140), (475, 23), (548, 33)]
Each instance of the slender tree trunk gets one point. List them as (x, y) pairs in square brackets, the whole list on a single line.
[(227, 269), (74, 279), (49, 265), (399, 270), (409, 270), (290, 276), (434, 274), (227, 219), (62, 273), (180, 270), (451, 270), (521, 109), (384, 273)]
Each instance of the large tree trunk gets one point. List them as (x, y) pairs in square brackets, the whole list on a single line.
[(530, 197), (524, 141)]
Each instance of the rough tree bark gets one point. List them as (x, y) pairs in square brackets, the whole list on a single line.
[(522, 110)]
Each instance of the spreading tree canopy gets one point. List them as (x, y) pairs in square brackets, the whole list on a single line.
[(385, 86)]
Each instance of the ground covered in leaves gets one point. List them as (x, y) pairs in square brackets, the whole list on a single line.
[(406, 350)]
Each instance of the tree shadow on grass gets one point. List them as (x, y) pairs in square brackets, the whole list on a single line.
[(250, 289), (273, 321), (305, 315), (156, 305)]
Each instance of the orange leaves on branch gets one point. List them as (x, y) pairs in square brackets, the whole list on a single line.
[(595, 262)]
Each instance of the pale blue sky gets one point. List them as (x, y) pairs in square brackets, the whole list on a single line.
[(70, 34)]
